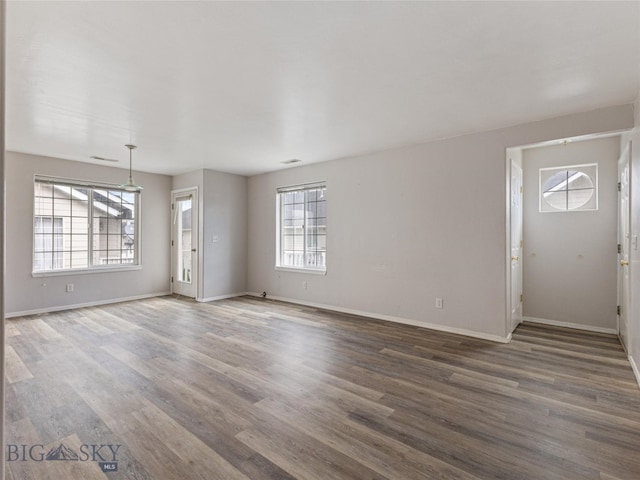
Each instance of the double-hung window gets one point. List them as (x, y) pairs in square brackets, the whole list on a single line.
[(82, 226), (302, 227)]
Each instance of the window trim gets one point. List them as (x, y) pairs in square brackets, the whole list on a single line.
[(288, 268), (90, 268)]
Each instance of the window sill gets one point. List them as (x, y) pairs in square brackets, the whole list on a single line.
[(85, 271), (312, 271)]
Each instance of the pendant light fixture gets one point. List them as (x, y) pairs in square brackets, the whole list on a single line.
[(130, 186)]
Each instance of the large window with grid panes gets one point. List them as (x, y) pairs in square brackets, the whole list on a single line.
[(302, 227), (82, 226)]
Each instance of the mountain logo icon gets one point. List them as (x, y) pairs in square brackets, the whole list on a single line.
[(62, 453)]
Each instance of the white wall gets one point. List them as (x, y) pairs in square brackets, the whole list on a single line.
[(222, 204), (25, 293), (411, 224), (225, 218), (570, 259), (187, 180)]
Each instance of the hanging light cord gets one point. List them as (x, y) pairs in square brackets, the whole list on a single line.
[(130, 147)]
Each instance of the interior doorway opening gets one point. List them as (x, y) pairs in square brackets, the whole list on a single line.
[(556, 256), (184, 242)]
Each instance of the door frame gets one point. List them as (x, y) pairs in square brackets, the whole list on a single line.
[(631, 245), (508, 326), (195, 241), (517, 319), (507, 257)]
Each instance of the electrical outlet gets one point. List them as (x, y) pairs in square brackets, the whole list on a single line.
[(304, 285), (439, 303), (69, 287)]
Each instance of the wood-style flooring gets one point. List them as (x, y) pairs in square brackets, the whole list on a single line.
[(249, 388)]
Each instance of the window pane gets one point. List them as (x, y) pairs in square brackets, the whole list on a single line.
[(569, 188), (47, 242), (578, 180), (79, 259), (61, 207), (316, 214), (556, 182), (61, 191), (128, 210), (42, 243), (115, 197), (114, 226), (293, 197), (80, 209), (63, 237), (79, 225), (128, 197), (556, 200), (579, 198), (302, 230), (42, 190)]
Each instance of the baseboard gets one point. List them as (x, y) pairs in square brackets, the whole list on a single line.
[(390, 318), (83, 305), (634, 367), (221, 297), (576, 326)]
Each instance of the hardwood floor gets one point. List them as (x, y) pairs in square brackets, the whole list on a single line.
[(254, 389)]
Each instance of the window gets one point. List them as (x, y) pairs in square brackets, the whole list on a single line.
[(565, 189), (80, 226), (302, 226)]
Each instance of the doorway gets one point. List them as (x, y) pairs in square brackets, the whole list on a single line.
[(569, 277), (624, 244), (516, 217), (184, 241)]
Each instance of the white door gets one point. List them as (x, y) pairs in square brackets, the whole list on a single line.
[(184, 242), (516, 244), (623, 247)]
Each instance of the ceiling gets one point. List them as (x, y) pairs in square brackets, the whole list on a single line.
[(241, 87)]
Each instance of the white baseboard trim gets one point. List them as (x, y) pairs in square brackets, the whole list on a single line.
[(390, 318), (39, 311), (576, 326), (634, 367), (221, 297)]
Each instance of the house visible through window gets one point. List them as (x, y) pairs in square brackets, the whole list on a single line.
[(302, 241), (47, 243), (82, 226)]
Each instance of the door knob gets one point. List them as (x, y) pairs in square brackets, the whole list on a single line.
[(515, 258), (193, 249), (624, 263)]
